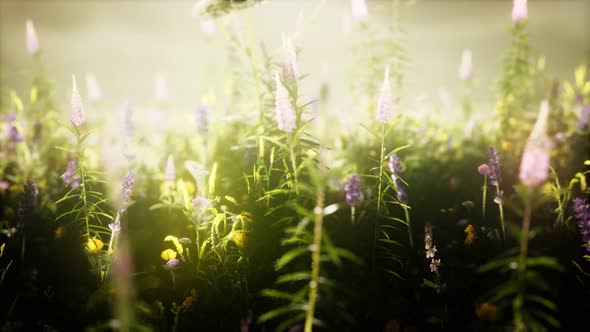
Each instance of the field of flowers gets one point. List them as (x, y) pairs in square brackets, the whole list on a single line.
[(270, 212)]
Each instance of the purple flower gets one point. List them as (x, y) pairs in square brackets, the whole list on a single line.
[(70, 177), (430, 248), (77, 108), (32, 41), (353, 190), (172, 263), (170, 173), (286, 119), (519, 11), (582, 214), (127, 187), (483, 169), (584, 118), (385, 102), (397, 169), (115, 227), (12, 132), (200, 203), (495, 172)]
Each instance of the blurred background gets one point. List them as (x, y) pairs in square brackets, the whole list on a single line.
[(127, 43)]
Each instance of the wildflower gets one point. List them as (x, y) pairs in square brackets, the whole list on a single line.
[(290, 67), (584, 118), (582, 214), (495, 172), (534, 166), (200, 203), (284, 110), (430, 249), (470, 234), (128, 125), (32, 41), (94, 245), (434, 264), (172, 263), (519, 11), (70, 177), (94, 93), (170, 173), (360, 12), (239, 238), (385, 102), (77, 108), (396, 169), (161, 92), (466, 68), (127, 187), (11, 131), (168, 254), (115, 227), (201, 117), (353, 190)]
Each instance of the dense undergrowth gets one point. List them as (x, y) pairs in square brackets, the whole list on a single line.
[(276, 216)]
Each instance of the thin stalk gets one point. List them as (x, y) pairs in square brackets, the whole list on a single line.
[(483, 199), (315, 260), (524, 244), (294, 166), (407, 212), (352, 214), (501, 208), (379, 194)]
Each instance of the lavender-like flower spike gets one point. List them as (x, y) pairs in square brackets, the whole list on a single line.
[(170, 173), (69, 176), (430, 249), (77, 108), (495, 172), (32, 41), (353, 190), (127, 188), (284, 110), (395, 166), (290, 66), (360, 12), (385, 101), (519, 11), (582, 214), (534, 166), (466, 68)]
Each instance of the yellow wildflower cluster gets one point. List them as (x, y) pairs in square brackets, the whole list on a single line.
[(471, 235)]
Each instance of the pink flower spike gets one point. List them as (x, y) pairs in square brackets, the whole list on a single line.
[(466, 69), (290, 67), (286, 119), (32, 41), (519, 11), (385, 102), (170, 172), (534, 165), (76, 102), (360, 12)]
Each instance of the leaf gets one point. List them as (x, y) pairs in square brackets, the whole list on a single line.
[(542, 301), (212, 177), (277, 294), (279, 312), (289, 256), (292, 277)]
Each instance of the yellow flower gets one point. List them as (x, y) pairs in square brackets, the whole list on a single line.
[(190, 188), (94, 245), (168, 254), (239, 238), (176, 243), (59, 232), (470, 231), (506, 146), (486, 311)]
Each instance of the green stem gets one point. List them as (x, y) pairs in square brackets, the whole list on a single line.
[(501, 208), (315, 260), (407, 212), (352, 214), (294, 166), (524, 244), (483, 199)]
